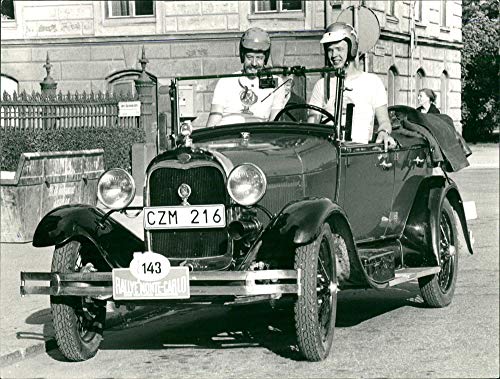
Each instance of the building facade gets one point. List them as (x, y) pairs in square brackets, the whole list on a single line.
[(96, 45)]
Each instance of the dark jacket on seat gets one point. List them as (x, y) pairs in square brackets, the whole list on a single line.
[(441, 134), (432, 109)]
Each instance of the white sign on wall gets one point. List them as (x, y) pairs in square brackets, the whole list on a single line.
[(129, 108)]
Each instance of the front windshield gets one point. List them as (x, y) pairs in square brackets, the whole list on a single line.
[(240, 98)]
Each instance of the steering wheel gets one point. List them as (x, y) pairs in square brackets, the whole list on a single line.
[(288, 108)]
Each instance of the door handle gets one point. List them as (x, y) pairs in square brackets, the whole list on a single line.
[(382, 161), (419, 161), (385, 165)]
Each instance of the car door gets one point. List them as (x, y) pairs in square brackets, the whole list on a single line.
[(412, 165), (366, 188)]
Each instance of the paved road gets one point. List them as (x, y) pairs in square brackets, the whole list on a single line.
[(379, 334)]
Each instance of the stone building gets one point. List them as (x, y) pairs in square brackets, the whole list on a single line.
[(96, 45)]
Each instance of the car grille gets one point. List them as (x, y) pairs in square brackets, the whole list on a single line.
[(207, 187)]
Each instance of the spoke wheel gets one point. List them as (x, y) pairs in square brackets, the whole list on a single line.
[(315, 308), (78, 321), (438, 289)]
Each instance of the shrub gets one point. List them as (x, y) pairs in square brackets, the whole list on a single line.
[(480, 69), (116, 142)]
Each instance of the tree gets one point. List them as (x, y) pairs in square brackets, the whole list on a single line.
[(7, 9), (480, 69)]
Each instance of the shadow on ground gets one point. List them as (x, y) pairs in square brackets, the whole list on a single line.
[(266, 325), (41, 317)]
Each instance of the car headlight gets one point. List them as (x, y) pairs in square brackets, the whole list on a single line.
[(246, 184), (116, 188)]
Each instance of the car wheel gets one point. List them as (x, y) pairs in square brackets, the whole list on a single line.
[(78, 321), (437, 290), (316, 306)]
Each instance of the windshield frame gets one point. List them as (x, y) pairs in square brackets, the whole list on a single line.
[(263, 74)]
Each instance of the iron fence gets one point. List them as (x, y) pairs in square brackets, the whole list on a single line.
[(41, 111)]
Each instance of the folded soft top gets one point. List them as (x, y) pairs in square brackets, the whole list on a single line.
[(447, 146)]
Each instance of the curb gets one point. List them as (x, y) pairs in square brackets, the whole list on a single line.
[(23, 353), (113, 320)]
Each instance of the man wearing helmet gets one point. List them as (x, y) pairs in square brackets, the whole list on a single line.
[(366, 91), (239, 99)]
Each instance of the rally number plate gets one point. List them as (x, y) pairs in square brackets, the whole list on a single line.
[(175, 285), (185, 217)]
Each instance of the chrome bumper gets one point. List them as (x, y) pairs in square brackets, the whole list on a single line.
[(237, 283)]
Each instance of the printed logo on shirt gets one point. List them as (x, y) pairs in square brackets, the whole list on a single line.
[(247, 98)]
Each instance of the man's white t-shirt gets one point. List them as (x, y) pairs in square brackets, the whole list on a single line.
[(241, 96), (366, 92)]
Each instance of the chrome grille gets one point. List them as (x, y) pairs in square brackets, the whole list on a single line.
[(207, 187)]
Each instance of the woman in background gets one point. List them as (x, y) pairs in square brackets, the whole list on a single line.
[(426, 99)]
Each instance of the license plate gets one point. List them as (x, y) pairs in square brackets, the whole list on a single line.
[(185, 217), (173, 286)]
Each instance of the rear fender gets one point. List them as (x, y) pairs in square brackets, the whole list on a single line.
[(421, 231), (112, 240), (436, 198)]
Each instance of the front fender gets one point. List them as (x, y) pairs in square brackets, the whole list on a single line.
[(301, 221), (114, 242)]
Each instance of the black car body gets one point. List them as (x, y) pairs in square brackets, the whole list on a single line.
[(266, 210)]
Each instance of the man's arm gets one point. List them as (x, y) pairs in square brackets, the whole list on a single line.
[(273, 114), (316, 99), (313, 118), (215, 116), (384, 128)]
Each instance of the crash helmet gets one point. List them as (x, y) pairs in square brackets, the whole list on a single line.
[(255, 39), (340, 31)]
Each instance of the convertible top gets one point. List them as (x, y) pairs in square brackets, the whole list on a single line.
[(447, 145)]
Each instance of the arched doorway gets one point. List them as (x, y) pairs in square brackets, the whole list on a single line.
[(8, 84), (393, 86), (123, 81)]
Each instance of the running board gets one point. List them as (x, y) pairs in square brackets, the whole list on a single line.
[(407, 274)]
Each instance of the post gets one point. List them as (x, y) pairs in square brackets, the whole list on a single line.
[(174, 106), (144, 87), (355, 21), (48, 90), (48, 85), (142, 154)]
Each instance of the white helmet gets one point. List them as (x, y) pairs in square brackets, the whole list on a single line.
[(340, 31)]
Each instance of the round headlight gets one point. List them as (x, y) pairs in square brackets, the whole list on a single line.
[(116, 188), (246, 184)]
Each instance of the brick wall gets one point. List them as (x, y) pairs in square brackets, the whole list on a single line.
[(201, 38)]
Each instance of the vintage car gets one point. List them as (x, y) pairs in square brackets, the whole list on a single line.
[(261, 211)]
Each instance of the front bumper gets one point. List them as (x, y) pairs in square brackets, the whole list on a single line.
[(203, 283)]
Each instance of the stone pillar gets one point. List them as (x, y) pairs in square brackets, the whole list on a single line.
[(48, 90), (144, 87), (142, 154), (48, 85)]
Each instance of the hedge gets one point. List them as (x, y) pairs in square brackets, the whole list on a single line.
[(116, 142)]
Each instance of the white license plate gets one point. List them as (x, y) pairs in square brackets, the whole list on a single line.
[(173, 286), (185, 217)]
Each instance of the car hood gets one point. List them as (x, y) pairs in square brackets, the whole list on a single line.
[(275, 154)]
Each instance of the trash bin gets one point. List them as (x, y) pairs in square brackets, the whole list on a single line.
[(42, 182)]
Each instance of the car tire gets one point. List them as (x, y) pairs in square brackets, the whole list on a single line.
[(438, 289), (316, 306), (78, 321)]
